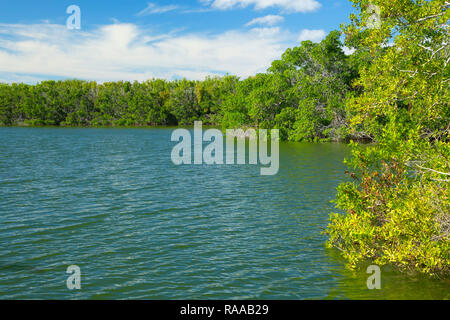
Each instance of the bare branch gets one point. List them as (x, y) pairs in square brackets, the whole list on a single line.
[(431, 17), (428, 169)]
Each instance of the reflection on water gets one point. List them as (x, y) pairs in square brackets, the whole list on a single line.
[(112, 202)]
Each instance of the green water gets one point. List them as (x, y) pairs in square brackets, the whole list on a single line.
[(112, 202)]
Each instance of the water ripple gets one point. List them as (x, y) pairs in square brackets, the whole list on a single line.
[(112, 202)]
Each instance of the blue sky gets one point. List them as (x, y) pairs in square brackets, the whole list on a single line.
[(138, 40)]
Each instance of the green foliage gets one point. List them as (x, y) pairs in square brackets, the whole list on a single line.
[(302, 94), (397, 209), (81, 103)]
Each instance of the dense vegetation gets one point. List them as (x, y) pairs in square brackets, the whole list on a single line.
[(398, 206), (302, 94), (393, 91)]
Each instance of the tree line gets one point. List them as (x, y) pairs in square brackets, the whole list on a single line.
[(303, 94)]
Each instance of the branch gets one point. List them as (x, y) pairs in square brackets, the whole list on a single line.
[(426, 48), (441, 180), (443, 47), (430, 17), (446, 174)]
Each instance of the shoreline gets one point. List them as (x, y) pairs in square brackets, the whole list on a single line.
[(211, 126)]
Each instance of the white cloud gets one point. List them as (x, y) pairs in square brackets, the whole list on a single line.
[(269, 20), (153, 8), (312, 35), (126, 52), (18, 78), (285, 5), (348, 51)]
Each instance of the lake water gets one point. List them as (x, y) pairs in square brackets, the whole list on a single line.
[(112, 202)]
